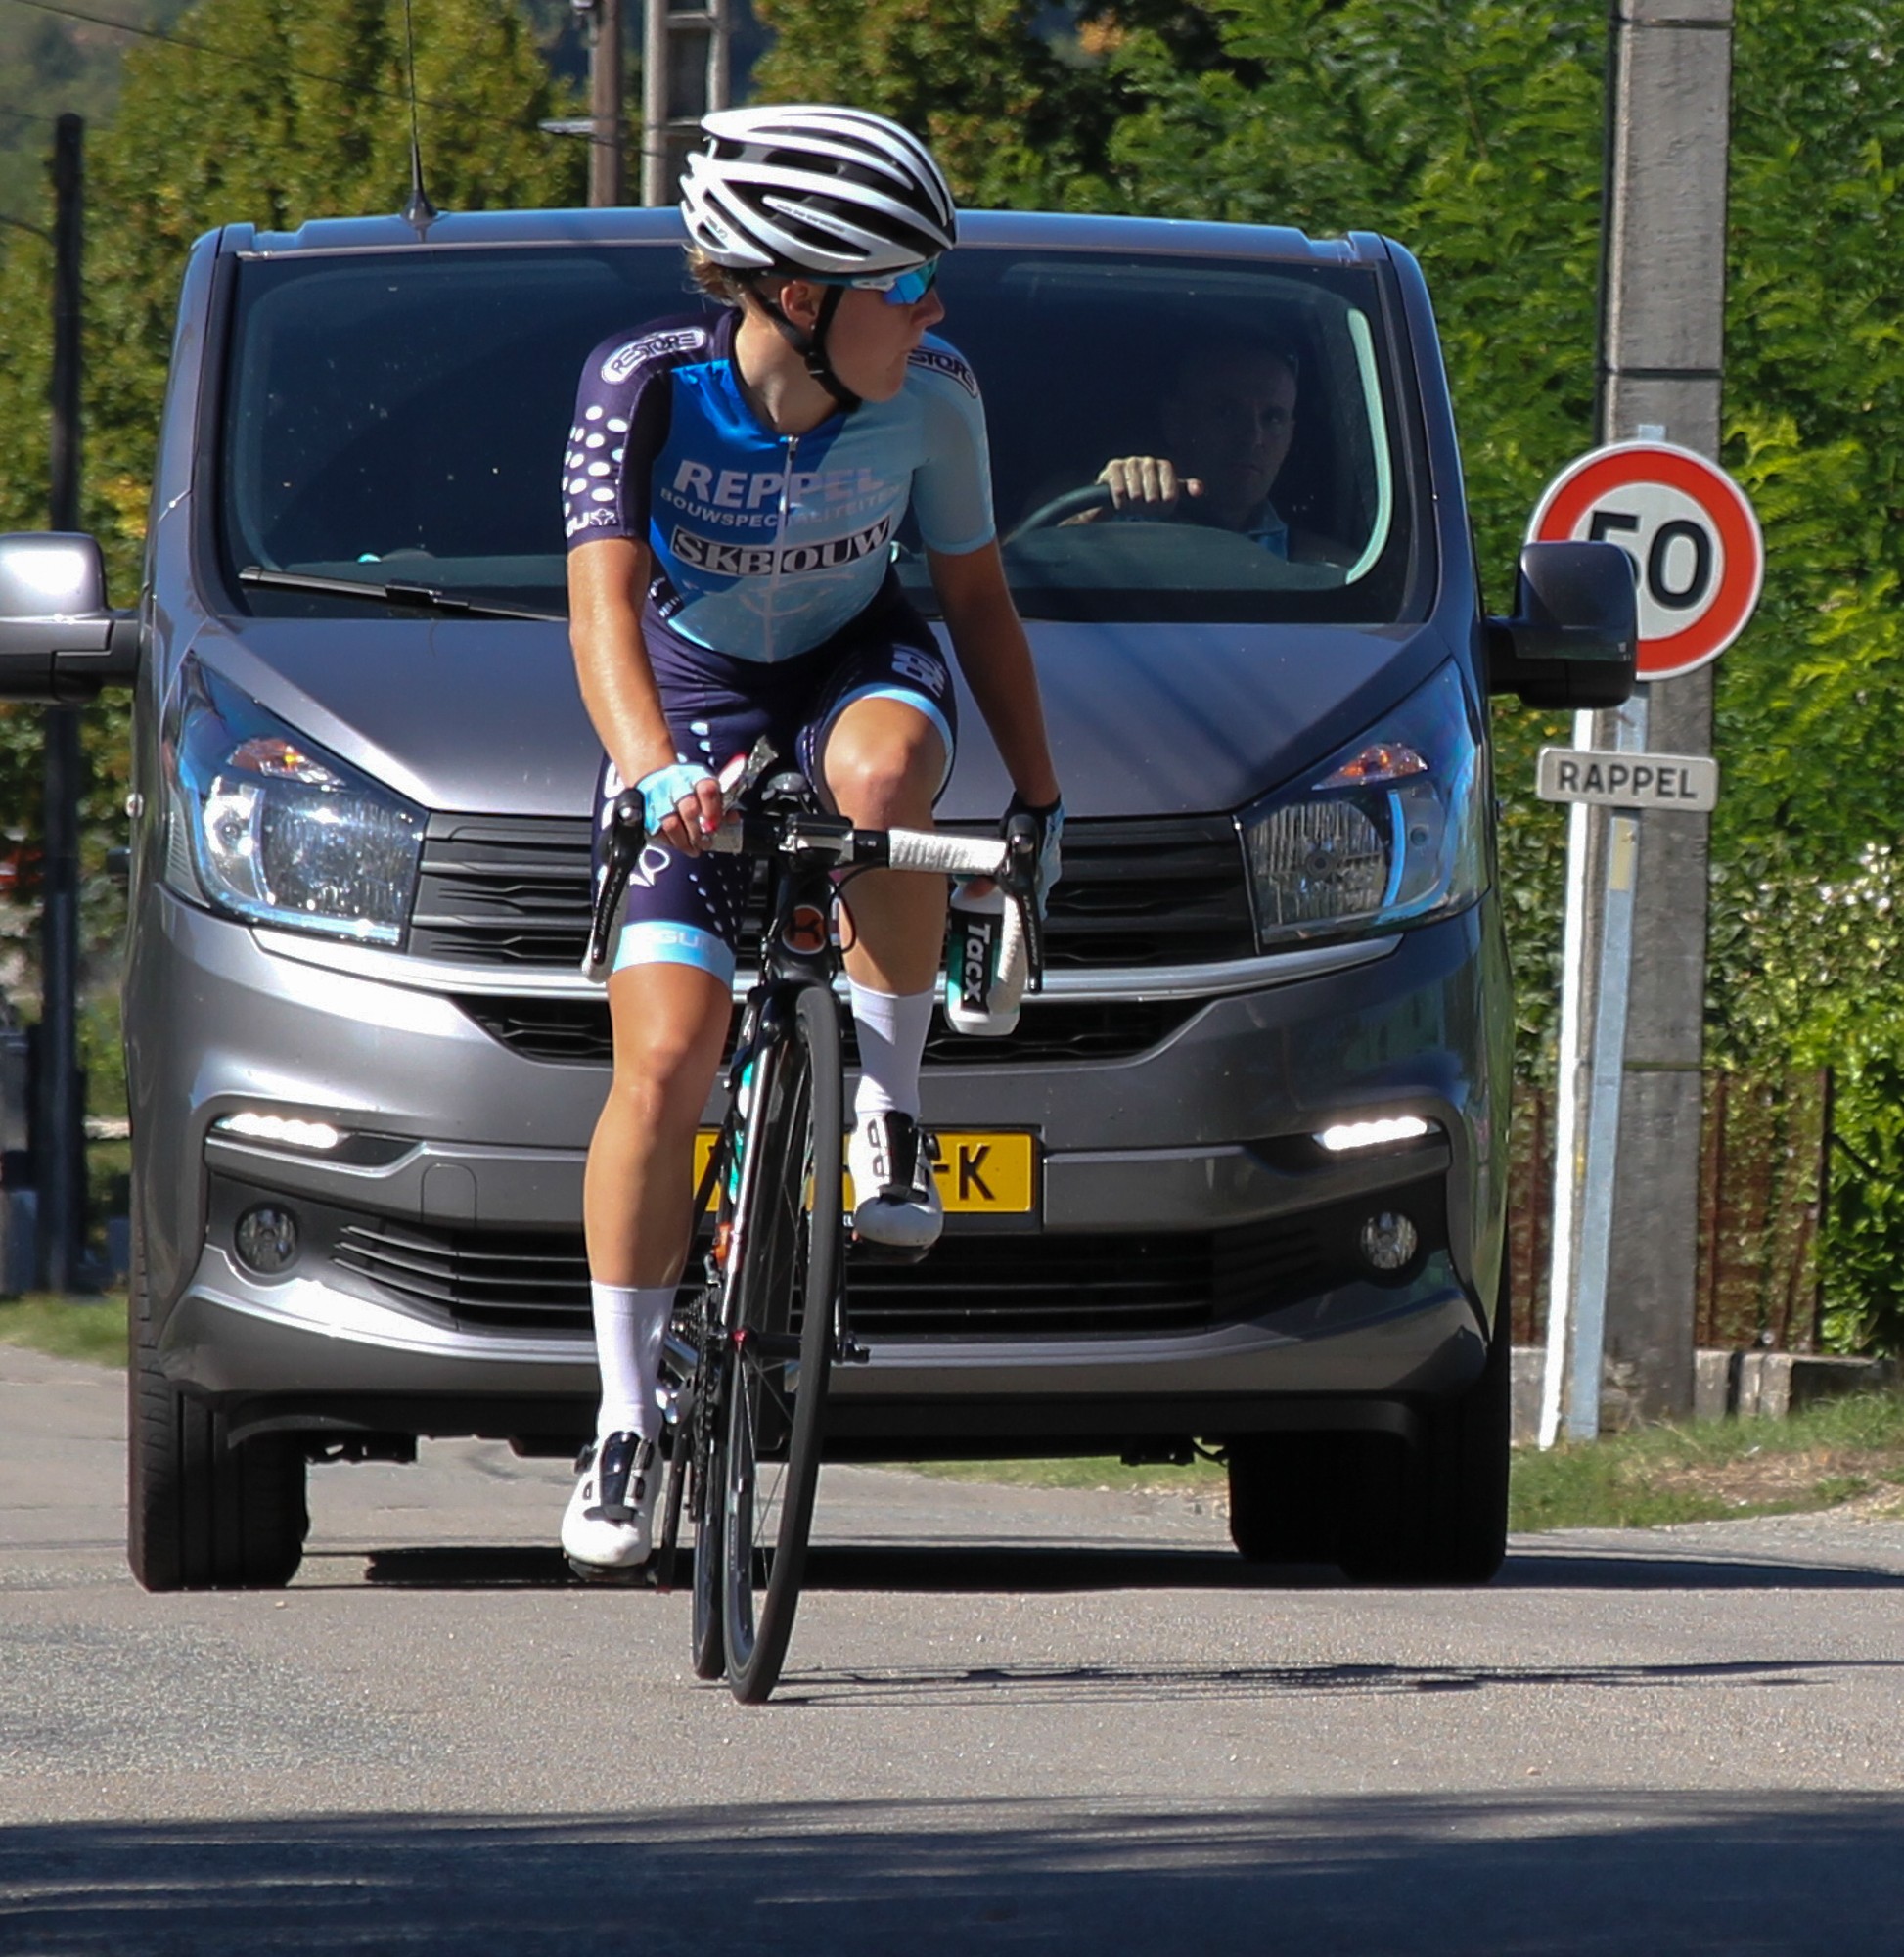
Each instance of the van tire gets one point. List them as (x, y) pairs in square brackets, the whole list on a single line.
[(1285, 1496), (201, 1513), (1437, 1512)]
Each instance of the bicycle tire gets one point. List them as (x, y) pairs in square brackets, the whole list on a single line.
[(776, 1385), (698, 1436), (708, 1648)]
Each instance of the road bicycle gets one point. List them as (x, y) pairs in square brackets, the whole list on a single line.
[(748, 1358)]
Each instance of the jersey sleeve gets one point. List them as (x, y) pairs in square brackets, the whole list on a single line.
[(952, 487), (620, 425)]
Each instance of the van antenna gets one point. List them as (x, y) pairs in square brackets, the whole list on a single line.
[(418, 211)]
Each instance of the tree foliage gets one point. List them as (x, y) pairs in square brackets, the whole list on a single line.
[(1019, 118), (270, 112)]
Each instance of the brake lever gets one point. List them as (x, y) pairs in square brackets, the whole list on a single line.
[(624, 846), (1019, 883), (629, 835)]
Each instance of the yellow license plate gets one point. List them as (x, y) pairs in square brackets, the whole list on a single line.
[(988, 1174)]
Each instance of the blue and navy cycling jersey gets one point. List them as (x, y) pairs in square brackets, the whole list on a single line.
[(767, 545)]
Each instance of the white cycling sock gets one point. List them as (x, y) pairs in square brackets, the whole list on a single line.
[(629, 1325), (893, 1029)]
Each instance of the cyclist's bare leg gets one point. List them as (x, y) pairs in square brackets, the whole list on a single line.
[(882, 766), (669, 1023), (636, 1197)]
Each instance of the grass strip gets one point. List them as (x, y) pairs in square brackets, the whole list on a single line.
[(1086, 1471), (1819, 1457), (68, 1327), (1709, 1470)]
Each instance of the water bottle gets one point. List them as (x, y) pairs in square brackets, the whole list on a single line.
[(974, 1001), (743, 1113)]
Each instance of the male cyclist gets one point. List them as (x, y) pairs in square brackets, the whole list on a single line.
[(733, 487)]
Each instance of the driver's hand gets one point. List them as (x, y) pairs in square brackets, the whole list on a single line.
[(1147, 482)]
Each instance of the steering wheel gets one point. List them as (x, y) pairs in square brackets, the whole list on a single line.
[(1062, 509)]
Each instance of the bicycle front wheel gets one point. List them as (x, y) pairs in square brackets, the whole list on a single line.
[(782, 1346)]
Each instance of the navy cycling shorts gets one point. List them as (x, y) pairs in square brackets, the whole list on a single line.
[(685, 910)]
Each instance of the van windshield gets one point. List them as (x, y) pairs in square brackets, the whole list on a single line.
[(400, 416)]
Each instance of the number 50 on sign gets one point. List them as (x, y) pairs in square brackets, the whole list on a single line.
[(1697, 556)]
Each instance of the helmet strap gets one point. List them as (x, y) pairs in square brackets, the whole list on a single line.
[(812, 346)]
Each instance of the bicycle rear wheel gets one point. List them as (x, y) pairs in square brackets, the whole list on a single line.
[(781, 1348)]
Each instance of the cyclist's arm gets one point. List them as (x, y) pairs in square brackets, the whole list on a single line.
[(606, 578), (989, 641)]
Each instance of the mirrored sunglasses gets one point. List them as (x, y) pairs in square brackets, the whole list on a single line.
[(898, 289)]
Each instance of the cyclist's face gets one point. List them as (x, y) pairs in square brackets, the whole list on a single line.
[(1230, 420), (869, 341)]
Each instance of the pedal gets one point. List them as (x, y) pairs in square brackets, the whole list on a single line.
[(864, 1250), (599, 1578)]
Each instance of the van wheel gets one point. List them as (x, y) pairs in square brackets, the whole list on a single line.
[(201, 1514), (1285, 1496), (1437, 1512)]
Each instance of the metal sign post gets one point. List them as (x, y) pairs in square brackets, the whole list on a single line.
[(1593, 1048), (1699, 563)]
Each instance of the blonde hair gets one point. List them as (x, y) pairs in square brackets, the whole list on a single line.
[(718, 282)]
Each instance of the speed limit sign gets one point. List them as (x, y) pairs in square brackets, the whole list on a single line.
[(1696, 547)]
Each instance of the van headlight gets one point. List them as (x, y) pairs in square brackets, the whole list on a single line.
[(275, 830), (1387, 831)]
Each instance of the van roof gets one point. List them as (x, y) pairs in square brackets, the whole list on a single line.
[(636, 225)]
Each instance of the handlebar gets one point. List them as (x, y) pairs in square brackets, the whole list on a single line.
[(1011, 862)]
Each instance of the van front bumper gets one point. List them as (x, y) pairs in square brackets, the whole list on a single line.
[(1207, 1133)]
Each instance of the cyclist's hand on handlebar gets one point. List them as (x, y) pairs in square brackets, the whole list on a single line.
[(1050, 820), (681, 807)]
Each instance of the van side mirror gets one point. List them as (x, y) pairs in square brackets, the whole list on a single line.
[(59, 642), (1575, 636)]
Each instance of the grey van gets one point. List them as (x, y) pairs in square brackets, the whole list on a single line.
[(1237, 1178)]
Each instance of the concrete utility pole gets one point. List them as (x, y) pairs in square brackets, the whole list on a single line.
[(685, 71), (1662, 336), (607, 74), (62, 1139)]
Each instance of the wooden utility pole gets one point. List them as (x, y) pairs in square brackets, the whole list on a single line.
[(606, 176), (61, 1143), (685, 71)]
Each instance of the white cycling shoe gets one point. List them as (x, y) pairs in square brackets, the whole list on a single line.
[(896, 1206), (607, 1529)]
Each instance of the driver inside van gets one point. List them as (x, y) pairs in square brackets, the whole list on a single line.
[(1226, 421)]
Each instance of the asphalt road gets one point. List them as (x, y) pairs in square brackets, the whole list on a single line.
[(1011, 1719)]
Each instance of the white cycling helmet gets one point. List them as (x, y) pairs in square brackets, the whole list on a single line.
[(804, 188)]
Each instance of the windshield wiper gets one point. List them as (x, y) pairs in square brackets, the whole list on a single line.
[(424, 596)]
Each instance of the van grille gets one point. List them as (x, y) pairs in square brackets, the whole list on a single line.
[(971, 1285), (576, 1031), (506, 891), (495, 891)]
